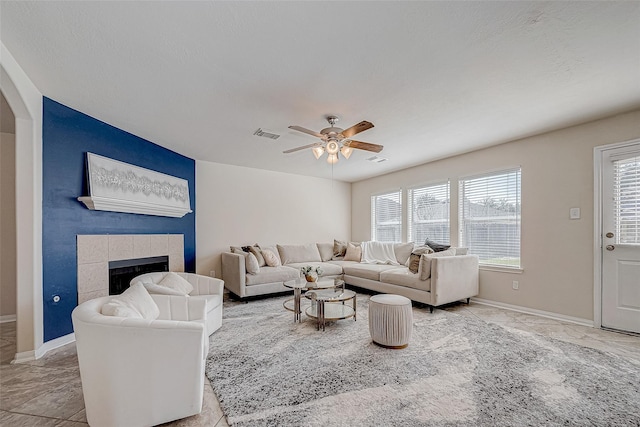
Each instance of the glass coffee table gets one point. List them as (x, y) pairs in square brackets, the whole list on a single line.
[(329, 304), (293, 304)]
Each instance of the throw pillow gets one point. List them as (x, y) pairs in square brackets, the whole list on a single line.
[(271, 248), (402, 251), (152, 288), (255, 250), (425, 262), (176, 282), (326, 251), (339, 248), (237, 250), (251, 264), (353, 253), (270, 258), (437, 247), (461, 251), (414, 259), (133, 302)]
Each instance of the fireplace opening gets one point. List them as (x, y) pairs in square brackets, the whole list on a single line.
[(121, 272)]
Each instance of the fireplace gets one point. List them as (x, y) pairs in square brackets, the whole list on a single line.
[(121, 272), (96, 251)]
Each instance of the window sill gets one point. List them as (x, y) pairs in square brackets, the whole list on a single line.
[(502, 269)]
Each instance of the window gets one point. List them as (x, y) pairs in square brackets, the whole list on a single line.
[(490, 217), (429, 213), (626, 174), (386, 217)]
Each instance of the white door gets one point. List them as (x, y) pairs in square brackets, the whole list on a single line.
[(621, 238)]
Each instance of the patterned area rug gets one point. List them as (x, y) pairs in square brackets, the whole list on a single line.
[(457, 370)]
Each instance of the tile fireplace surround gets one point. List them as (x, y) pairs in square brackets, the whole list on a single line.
[(95, 251)]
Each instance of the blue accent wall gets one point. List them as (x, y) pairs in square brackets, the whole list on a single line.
[(67, 135)]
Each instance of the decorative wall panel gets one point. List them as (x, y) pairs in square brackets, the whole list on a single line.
[(120, 187)]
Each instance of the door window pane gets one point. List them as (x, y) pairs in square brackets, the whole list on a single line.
[(627, 200)]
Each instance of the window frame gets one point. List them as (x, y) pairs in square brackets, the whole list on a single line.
[(372, 207), (409, 207), (462, 219)]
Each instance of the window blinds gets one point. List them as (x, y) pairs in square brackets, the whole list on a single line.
[(428, 209), (627, 200), (490, 217), (386, 217)]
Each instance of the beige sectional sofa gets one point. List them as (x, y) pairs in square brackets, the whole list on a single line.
[(448, 279)]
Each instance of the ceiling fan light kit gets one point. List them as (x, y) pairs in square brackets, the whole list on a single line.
[(335, 139), (346, 151), (318, 151)]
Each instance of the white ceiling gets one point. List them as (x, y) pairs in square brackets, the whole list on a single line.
[(436, 78)]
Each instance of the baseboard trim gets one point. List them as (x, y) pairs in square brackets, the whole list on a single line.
[(535, 312), (28, 356), (8, 318)]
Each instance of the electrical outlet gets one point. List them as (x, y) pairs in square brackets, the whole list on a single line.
[(212, 273), (516, 285)]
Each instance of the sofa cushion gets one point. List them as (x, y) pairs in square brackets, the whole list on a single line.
[(328, 269), (341, 263), (367, 271), (326, 251), (403, 250), (272, 275), (425, 262), (133, 302), (403, 277), (299, 253)]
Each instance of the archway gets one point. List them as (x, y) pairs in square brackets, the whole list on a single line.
[(7, 223), (26, 103)]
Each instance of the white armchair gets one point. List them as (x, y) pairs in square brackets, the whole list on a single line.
[(138, 372), (204, 287)]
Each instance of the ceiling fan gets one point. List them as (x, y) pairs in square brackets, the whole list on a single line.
[(334, 139)]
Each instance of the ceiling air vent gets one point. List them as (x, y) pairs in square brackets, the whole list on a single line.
[(376, 159), (266, 134)]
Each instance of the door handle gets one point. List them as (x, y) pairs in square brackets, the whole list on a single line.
[(609, 235), (610, 247)]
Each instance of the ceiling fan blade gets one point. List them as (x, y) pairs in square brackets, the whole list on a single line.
[(307, 131), (292, 150), (360, 127), (364, 146)]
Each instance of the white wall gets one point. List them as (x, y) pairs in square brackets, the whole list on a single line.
[(242, 206), (7, 224), (557, 174)]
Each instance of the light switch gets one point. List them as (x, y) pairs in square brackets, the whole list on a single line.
[(574, 213)]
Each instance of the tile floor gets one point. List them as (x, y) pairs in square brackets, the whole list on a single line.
[(48, 392)]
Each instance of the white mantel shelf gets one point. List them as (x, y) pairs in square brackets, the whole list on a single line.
[(127, 206)]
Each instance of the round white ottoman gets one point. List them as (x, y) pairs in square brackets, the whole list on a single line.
[(390, 320)]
